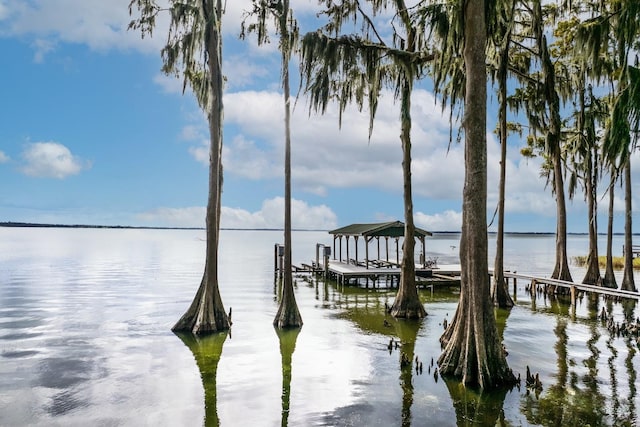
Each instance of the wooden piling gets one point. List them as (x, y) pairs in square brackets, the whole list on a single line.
[(534, 288), (275, 259)]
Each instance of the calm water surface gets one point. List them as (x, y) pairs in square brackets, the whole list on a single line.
[(85, 318)]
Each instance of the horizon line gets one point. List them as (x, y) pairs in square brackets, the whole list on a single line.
[(16, 224)]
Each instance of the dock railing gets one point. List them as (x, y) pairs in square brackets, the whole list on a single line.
[(635, 251), (572, 286)]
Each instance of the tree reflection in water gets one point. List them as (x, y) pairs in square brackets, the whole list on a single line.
[(474, 407), (628, 307), (207, 351), (368, 310), (407, 332), (288, 338), (611, 362), (592, 382), (578, 399)]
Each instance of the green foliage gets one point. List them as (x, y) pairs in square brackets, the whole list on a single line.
[(354, 68), (622, 130), (185, 54), (280, 15)]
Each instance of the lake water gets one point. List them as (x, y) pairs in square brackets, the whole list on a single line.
[(85, 318)]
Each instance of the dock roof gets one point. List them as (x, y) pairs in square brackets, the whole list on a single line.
[(380, 229)]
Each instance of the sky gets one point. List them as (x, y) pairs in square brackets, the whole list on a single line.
[(92, 132)]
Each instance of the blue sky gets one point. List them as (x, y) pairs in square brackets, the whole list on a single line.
[(93, 133)]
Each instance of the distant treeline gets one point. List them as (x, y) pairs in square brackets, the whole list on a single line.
[(135, 227), (39, 225)]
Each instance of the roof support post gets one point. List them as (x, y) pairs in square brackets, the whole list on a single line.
[(347, 238), (366, 250), (386, 239), (334, 247), (356, 239)]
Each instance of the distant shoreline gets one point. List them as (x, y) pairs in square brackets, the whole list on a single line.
[(136, 227), (40, 225)]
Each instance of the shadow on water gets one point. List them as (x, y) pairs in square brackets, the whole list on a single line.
[(207, 351), (287, 338)]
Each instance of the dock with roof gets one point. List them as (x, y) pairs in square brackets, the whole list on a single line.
[(344, 261)]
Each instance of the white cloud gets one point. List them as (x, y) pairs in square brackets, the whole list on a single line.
[(191, 133), (51, 160), (169, 84), (325, 156), (240, 157), (3, 157), (4, 10), (445, 221), (42, 47), (101, 25), (241, 71), (200, 153), (271, 215)]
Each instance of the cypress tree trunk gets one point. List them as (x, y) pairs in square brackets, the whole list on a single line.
[(407, 303), (592, 275), (288, 314), (472, 350), (501, 295), (609, 280), (628, 282), (206, 313), (561, 268)]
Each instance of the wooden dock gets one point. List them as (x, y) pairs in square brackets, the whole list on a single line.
[(384, 272), (635, 251), (381, 273)]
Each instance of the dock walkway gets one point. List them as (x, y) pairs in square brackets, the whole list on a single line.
[(573, 287), (379, 271)]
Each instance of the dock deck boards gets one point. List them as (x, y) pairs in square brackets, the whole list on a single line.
[(381, 270)]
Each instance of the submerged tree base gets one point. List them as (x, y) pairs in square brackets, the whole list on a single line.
[(407, 304), (206, 314), (288, 315), (288, 319), (408, 309), (500, 294)]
